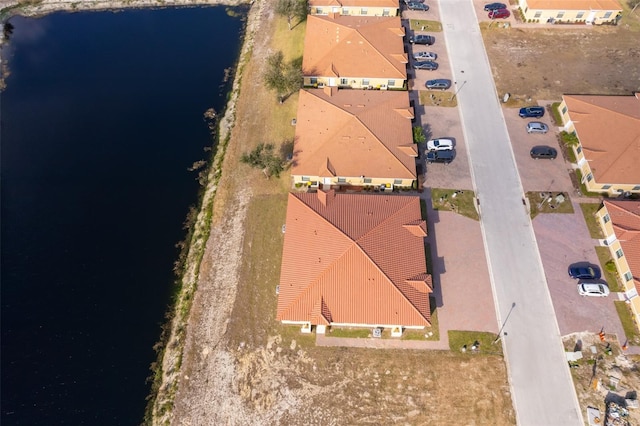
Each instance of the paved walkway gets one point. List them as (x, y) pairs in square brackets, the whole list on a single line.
[(322, 340), (541, 384)]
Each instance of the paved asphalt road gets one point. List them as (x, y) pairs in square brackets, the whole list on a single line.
[(541, 384)]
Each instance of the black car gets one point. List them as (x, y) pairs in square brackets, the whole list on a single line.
[(425, 65), (438, 83), (579, 272), (417, 6), (422, 39), (531, 112), (494, 6), (441, 156), (543, 151)]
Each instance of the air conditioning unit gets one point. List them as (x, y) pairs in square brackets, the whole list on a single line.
[(320, 85), (383, 87)]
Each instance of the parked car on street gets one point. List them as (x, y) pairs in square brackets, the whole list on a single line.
[(413, 5), (587, 272), (439, 83), (543, 151), (537, 127), (425, 65), (422, 39), (429, 56), (494, 6), (531, 112), (499, 13), (443, 144), (441, 156), (593, 289)]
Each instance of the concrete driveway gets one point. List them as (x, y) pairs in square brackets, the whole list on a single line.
[(418, 78), (564, 239), (537, 175), (462, 287)]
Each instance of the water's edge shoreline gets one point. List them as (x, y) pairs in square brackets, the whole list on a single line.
[(170, 348)]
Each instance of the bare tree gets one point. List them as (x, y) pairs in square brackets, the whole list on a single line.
[(292, 9)]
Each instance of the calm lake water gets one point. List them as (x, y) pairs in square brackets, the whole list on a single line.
[(102, 117)]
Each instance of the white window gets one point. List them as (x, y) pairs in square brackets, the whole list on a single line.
[(619, 253), (628, 276), (344, 81), (345, 10), (606, 218), (319, 10), (606, 186), (397, 181), (607, 15), (367, 180), (385, 12), (342, 180), (391, 83), (305, 178), (560, 15), (589, 177), (363, 11), (365, 81), (538, 14), (579, 16)]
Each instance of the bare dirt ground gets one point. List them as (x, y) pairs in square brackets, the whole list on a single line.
[(547, 63), (600, 376)]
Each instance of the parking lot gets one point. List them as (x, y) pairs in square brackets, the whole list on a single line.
[(563, 239), (537, 175)]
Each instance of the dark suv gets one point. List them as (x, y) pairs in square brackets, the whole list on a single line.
[(441, 156), (422, 39), (531, 112)]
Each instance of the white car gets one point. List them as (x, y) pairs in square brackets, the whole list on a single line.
[(425, 56), (440, 145), (593, 289)]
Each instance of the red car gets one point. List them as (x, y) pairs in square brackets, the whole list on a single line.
[(499, 13)]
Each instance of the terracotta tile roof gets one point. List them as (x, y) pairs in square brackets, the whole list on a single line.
[(625, 218), (354, 258), (391, 4), (354, 133), (585, 5), (609, 131), (354, 46)]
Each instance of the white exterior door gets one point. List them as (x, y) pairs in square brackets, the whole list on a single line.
[(327, 181), (332, 82), (591, 17)]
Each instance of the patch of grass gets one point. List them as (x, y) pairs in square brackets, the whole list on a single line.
[(626, 318), (438, 98), (588, 211), (457, 339), (555, 113), (353, 333), (431, 26), (292, 332), (255, 306), (538, 205), (424, 334), (461, 203), (609, 273)]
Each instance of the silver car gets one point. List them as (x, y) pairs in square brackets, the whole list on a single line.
[(537, 127), (593, 289), (425, 56)]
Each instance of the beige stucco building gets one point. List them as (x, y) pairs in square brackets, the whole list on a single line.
[(354, 7), (608, 130), (354, 51), (620, 222), (594, 12)]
